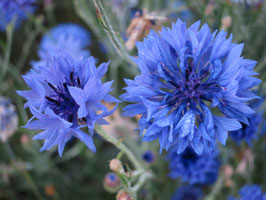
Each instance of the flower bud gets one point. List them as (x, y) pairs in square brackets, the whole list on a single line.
[(24, 139), (8, 119), (227, 170), (116, 165), (111, 182), (226, 22), (123, 195)]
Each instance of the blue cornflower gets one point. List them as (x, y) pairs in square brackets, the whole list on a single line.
[(193, 168), (8, 119), (193, 87), (187, 192), (250, 192), (184, 14), (72, 39), (148, 156), (14, 10), (249, 133), (65, 96)]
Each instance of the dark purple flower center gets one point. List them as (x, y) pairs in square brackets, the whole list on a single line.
[(60, 100), (191, 84)]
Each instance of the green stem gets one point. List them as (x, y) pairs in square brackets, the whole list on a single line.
[(216, 188), (9, 35), (23, 171), (106, 25), (142, 180), (82, 9), (120, 146), (27, 45)]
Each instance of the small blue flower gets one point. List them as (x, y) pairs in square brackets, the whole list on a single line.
[(250, 192), (14, 10), (64, 38), (8, 119), (185, 14), (249, 133), (193, 87), (193, 168), (65, 96), (187, 193), (148, 156)]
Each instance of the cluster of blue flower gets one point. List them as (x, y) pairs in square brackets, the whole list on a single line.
[(14, 12), (247, 192), (182, 81), (193, 89)]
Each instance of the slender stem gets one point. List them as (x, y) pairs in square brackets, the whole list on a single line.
[(216, 188), (105, 23), (9, 35), (26, 49), (82, 9), (120, 146), (143, 178), (29, 41), (23, 171)]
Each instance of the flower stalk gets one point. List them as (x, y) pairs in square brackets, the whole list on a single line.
[(120, 146), (9, 35), (114, 36)]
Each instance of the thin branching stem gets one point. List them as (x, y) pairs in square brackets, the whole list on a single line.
[(120, 146), (142, 180)]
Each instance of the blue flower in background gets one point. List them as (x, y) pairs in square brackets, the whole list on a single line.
[(148, 157), (181, 11), (193, 168), (64, 38), (187, 193), (65, 96), (249, 133), (14, 10), (193, 87), (8, 119), (250, 192)]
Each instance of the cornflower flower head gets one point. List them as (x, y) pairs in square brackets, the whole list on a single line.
[(65, 96), (250, 192), (8, 119), (248, 134), (187, 192), (72, 39), (193, 168), (193, 87), (17, 10)]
